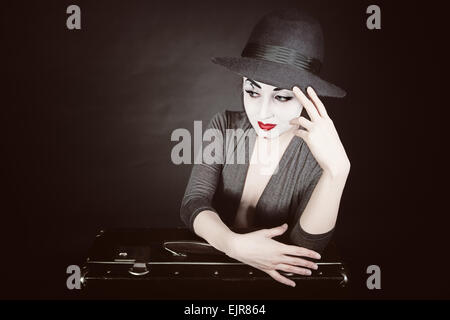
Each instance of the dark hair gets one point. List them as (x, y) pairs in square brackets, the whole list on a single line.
[(239, 91)]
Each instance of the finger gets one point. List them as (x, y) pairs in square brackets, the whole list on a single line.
[(273, 232), (308, 104), (319, 105), (300, 251), (278, 277), (293, 269), (299, 262), (305, 123)]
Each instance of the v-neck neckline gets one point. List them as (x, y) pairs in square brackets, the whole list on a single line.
[(281, 165)]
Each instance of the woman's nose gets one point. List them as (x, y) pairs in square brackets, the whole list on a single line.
[(265, 111)]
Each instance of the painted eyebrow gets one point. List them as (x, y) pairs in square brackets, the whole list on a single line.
[(253, 82)]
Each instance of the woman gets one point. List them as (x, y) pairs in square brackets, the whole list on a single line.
[(299, 196)]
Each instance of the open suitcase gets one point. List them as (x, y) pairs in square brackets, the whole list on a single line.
[(177, 264)]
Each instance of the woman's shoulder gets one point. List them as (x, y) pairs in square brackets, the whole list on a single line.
[(229, 119)]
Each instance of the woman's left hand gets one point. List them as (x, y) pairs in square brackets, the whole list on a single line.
[(320, 134)]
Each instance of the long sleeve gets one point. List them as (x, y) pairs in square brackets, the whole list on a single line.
[(205, 175), (298, 236)]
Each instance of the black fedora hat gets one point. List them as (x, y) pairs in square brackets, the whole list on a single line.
[(285, 49)]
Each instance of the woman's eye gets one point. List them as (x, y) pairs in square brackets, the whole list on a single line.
[(254, 94), (251, 93), (283, 99)]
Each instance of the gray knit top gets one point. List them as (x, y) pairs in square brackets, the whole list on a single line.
[(218, 186)]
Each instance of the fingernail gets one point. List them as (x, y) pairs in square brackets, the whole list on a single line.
[(318, 256), (308, 272), (293, 285), (316, 267)]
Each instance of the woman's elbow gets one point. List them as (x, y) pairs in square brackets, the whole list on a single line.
[(315, 242)]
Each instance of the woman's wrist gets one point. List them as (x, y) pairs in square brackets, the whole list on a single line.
[(210, 227), (230, 243)]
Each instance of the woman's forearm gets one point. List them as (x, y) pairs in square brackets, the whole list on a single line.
[(321, 212), (210, 227)]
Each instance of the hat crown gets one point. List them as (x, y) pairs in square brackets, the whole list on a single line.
[(290, 28)]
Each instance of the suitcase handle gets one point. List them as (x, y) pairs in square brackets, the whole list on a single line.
[(187, 247)]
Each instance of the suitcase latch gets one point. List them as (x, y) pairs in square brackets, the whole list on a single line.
[(139, 269)]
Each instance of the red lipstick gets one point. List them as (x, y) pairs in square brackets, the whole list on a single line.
[(266, 126)]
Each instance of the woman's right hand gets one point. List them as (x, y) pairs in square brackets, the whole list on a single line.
[(259, 250)]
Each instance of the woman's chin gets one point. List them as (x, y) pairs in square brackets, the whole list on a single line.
[(273, 133), (268, 134)]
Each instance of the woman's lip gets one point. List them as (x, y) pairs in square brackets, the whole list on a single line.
[(266, 126)]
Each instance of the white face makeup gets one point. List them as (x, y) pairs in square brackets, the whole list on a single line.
[(269, 109)]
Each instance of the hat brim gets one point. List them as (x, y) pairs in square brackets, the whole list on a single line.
[(279, 75)]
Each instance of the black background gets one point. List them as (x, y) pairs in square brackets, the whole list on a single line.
[(88, 114)]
